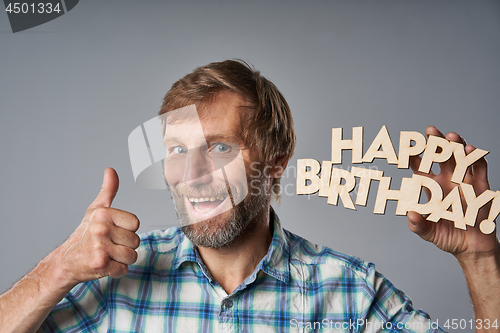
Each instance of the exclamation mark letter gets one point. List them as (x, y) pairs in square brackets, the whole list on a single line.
[(488, 226)]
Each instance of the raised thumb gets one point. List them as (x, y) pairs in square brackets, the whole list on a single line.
[(108, 190)]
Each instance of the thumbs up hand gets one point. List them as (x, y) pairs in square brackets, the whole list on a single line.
[(104, 244)]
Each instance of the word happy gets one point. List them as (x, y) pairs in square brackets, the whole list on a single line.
[(336, 183)]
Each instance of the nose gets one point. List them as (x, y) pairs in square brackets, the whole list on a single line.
[(198, 167)]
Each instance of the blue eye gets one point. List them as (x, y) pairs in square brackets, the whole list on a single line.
[(220, 148), (178, 150)]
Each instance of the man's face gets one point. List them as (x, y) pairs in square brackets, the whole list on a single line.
[(208, 171)]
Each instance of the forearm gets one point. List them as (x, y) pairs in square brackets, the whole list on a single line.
[(483, 278), (25, 306)]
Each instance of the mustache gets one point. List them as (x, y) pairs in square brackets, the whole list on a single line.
[(204, 190)]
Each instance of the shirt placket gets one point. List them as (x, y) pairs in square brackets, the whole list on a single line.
[(226, 315)]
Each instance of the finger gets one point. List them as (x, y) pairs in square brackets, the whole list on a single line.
[(454, 137), (108, 189), (419, 225), (117, 217), (102, 264), (414, 164), (449, 165), (432, 130), (479, 168), (123, 254), (124, 237), (116, 269), (469, 173)]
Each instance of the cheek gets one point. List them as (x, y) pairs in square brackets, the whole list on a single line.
[(173, 175), (237, 176)]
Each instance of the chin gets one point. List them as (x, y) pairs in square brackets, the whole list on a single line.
[(221, 230)]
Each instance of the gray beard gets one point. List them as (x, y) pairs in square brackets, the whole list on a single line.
[(222, 230)]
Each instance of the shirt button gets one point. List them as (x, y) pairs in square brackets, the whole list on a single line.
[(228, 303)]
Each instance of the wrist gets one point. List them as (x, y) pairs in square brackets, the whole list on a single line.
[(480, 262), (53, 277)]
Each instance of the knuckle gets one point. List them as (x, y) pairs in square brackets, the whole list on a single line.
[(99, 250), (136, 240), (99, 263), (99, 229), (129, 256), (100, 214), (134, 222), (118, 271), (123, 270), (133, 256)]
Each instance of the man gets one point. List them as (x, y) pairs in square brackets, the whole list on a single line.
[(229, 134)]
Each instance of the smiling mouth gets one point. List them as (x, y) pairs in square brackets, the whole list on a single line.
[(206, 204)]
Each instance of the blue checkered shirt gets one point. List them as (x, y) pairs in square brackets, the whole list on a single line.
[(296, 287)]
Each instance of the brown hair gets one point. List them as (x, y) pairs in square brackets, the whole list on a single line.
[(267, 125)]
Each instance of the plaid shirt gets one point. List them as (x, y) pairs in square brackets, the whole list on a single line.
[(296, 287)]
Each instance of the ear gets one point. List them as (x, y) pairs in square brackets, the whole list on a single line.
[(279, 166)]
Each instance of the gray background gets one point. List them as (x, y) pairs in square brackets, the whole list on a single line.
[(73, 89)]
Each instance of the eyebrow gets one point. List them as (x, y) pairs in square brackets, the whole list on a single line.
[(222, 137), (170, 140), (209, 138)]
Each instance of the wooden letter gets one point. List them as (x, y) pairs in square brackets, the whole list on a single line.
[(463, 161), (435, 190), (474, 203), (452, 201), (336, 189), (488, 226), (338, 144), (303, 175), (383, 142), (402, 195), (326, 172), (406, 149), (431, 155), (365, 175)]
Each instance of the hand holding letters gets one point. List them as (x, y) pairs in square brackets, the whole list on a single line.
[(461, 186)]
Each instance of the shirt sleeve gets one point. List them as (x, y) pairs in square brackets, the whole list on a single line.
[(84, 309), (388, 309)]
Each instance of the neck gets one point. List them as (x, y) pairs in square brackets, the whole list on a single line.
[(232, 264)]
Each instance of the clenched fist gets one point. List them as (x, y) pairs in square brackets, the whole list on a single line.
[(104, 244)]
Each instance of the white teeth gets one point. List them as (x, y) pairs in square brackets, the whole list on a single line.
[(195, 202), (205, 199)]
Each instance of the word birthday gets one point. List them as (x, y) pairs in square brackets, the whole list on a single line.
[(336, 183)]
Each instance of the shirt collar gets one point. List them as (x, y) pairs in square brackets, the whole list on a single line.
[(185, 252), (276, 262)]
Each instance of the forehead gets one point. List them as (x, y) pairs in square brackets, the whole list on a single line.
[(223, 113), (220, 118)]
